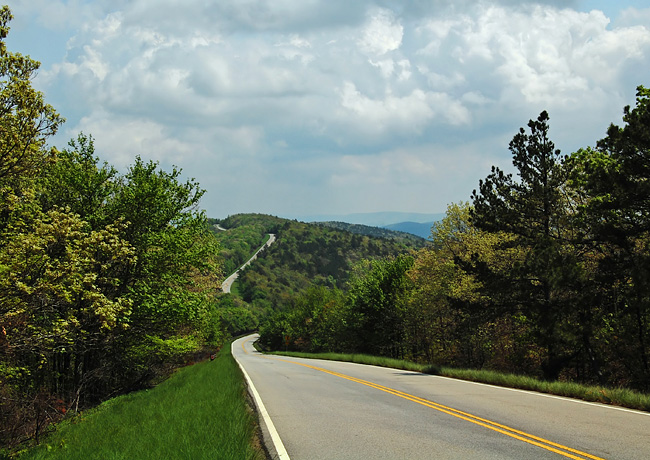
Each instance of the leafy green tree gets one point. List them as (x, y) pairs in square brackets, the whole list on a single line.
[(277, 332), (449, 305), (315, 322), (236, 318), (26, 121), (376, 298), (57, 300), (618, 176), (173, 283), (105, 280), (76, 180)]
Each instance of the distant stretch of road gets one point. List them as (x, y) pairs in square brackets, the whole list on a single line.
[(330, 410), (225, 286)]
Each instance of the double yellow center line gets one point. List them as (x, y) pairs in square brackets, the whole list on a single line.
[(564, 451)]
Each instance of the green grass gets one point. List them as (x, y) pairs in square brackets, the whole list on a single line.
[(198, 413), (234, 289), (616, 396)]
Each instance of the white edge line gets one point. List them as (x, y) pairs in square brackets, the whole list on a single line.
[(552, 396), (275, 437)]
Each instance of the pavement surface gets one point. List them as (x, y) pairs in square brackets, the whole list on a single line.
[(332, 410)]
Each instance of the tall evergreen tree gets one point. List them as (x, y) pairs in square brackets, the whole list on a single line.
[(534, 210), (615, 180)]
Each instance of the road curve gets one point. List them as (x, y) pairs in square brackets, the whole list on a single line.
[(227, 283), (332, 410)]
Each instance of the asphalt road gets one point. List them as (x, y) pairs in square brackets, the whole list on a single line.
[(331, 410), (227, 283)]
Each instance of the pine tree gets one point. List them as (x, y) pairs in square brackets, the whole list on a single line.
[(534, 210)]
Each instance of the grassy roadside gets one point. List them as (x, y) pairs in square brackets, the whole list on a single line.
[(615, 396), (198, 413)]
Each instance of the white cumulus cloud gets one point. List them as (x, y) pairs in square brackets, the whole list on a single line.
[(319, 101), (382, 34)]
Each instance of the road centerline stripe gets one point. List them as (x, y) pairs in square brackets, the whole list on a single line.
[(551, 446)]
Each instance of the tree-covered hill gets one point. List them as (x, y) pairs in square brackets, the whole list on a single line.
[(241, 235), (303, 255)]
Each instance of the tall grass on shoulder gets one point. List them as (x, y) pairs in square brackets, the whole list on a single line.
[(617, 396), (198, 413), (380, 361)]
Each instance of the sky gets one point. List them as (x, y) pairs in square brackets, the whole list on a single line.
[(308, 107)]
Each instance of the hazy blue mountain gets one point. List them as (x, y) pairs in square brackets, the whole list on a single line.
[(421, 229), (376, 219)]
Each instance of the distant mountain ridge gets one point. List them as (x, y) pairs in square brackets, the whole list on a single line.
[(376, 219), (421, 229)]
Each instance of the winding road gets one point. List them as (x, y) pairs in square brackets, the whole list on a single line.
[(315, 409), (227, 283)]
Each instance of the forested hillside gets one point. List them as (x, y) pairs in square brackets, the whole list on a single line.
[(400, 236), (241, 236), (545, 272), (303, 255)]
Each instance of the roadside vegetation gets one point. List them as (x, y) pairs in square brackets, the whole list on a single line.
[(615, 396), (544, 274), (108, 281), (200, 412)]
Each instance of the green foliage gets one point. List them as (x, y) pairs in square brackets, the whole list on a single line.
[(377, 299), (305, 255), (77, 181), (612, 185), (25, 123), (545, 274), (449, 307), (316, 321), (236, 316), (90, 307), (537, 213), (406, 238), (370, 317)]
